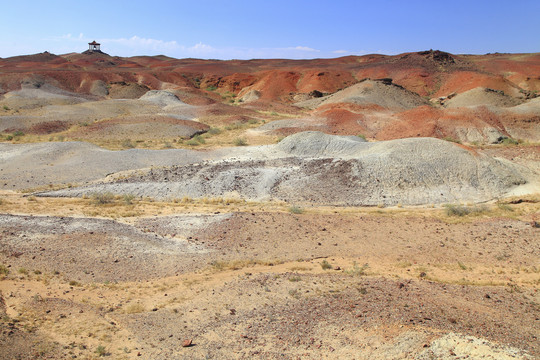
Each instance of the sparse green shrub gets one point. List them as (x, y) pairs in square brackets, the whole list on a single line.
[(128, 199), (462, 266), (296, 210), (102, 198), (4, 271), (18, 133), (211, 88), (23, 271), (9, 137), (192, 142), (253, 121), (357, 270), (325, 265), (101, 351), (504, 207), (127, 144), (295, 279), (74, 283), (6, 107), (167, 145), (509, 141), (214, 131), (240, 142), (199, 139), (460, 210), (361, 136), (60, 138), (451, 139)]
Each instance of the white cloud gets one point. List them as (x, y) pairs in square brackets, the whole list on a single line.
[(138, 45), (303, 48)]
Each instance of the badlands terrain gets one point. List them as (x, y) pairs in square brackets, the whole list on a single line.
[(364, 207)]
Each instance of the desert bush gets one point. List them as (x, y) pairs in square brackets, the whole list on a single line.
[(240, 142), (460, 210), (509, 141), (102, 198), (504, 207), (9, 137), (192, 142), (4, 271), (296, 210), (361, 136), (325, 265), (451, 139), (357, 270), (101, 351), (214, 131), (127, 144), (6, 107), (128, 199), (211, 88), (199, 139)]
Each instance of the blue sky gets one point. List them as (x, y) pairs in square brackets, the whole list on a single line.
[(297, 29)]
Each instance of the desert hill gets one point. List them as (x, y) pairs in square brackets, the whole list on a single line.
[(363, 207)]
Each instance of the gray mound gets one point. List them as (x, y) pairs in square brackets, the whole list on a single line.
[(482, 97), (314, 168), (162, 98), (389, 96), (317, 144), (170, 104), (29, 165), (531, 107)]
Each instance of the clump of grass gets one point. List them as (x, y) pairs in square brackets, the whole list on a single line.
[(102, 198), (325, 265), (199, 139), (361, 136), (74, 283), (167, 145), (451, 139), (211, 88), (4, 271), (509, 141), (504, 207), (214, 131), (196, 140), (240, 142), (296, 210), (460, 210), (127, 144), (462, 266), (357, 270), (23, 271), (128, 199), (135, 308), (101, 351), (18, 133), (5, 107), (295, 279)]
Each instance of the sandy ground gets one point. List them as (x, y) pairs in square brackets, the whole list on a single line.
[(257, 281), (205, 268)]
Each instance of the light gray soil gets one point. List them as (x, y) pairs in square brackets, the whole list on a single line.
[(315, 168)]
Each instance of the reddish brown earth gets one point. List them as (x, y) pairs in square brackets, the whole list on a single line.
[(424, 73), (218, 87)]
